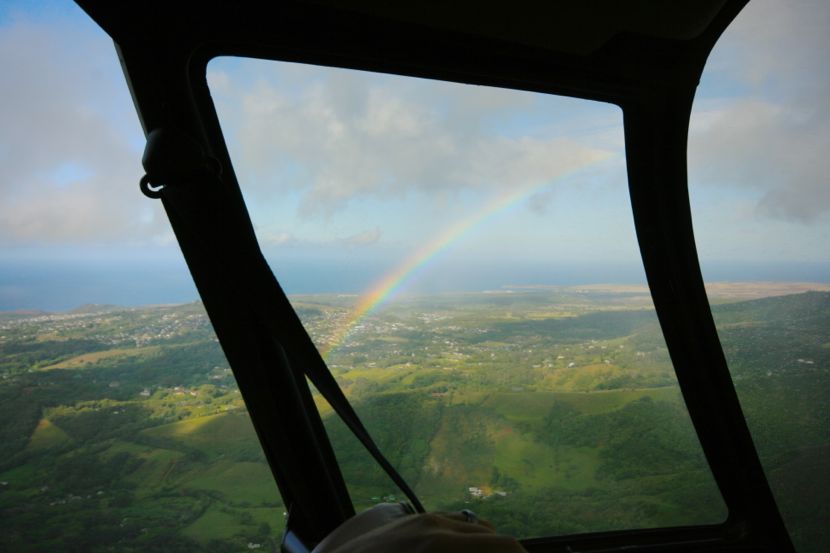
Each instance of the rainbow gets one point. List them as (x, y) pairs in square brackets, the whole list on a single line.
[(385, 288)]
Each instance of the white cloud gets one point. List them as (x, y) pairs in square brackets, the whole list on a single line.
[(767, 146), (283, 239), (336, 136), (69, 170), (780, 46), (763, 119), (363, 238), (277, 239)]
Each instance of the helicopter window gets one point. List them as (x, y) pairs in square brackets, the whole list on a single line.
[(758, 181), (121, 424), (124, 424), (465, 261)]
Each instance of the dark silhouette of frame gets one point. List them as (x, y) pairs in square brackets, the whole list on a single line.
[(645, 56)]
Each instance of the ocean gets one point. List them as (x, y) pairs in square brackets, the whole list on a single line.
[(59, 285)]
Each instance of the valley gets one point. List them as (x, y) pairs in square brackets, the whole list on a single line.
[(548, 410)]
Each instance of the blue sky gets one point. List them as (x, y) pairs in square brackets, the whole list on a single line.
[(345, 173)]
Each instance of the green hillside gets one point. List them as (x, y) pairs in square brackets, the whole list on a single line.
[(546, 410)]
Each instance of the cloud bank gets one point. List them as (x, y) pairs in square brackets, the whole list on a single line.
[(70, 143), (762, 119), (335, 137), (68, 155)]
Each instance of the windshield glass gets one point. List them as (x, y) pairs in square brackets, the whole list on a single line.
[(758, 166), (465, 260), (121, 426)]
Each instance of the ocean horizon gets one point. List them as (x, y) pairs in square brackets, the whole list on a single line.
[(62, 285)]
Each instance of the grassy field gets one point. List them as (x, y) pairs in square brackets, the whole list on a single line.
[(47, 436)]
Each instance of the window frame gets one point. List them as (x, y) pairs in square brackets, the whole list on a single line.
[(652, 80)]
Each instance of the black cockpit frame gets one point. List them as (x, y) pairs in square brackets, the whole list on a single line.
[(165, 49)]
